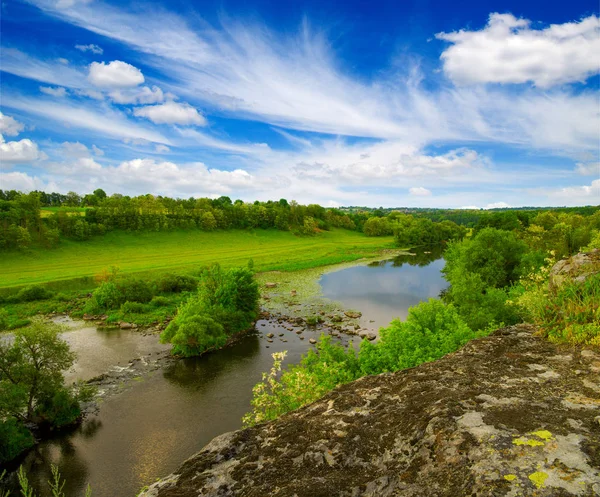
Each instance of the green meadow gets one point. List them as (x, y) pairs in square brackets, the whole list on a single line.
[(143, 252)]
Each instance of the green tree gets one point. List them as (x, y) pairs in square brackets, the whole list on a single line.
[(31, 370)]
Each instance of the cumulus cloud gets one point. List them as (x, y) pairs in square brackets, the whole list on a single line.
[(588, 168), (18, 152), (508, 50), (171, 113), (95, 49), (419, 191), (10, 126), (21, 182), (97, 151), (54, 92), (142, 95), (115, 74)]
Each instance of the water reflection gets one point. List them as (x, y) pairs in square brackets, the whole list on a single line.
[(384, 290)]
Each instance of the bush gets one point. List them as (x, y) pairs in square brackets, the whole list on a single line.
[(133, 308), (430, 331), (62, 297), (176, 283), (14, 439), (160, 301), (106, 296), (31, 293), (60, 409), (134, 290)]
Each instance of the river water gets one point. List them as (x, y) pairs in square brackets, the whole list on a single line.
[(150, 428)]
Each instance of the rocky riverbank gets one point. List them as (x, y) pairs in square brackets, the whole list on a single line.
[(509, 414)]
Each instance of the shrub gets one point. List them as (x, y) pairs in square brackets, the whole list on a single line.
[(176, 283), (59, 409), (134, 290), (160, 301), (62, 297), (313, 320), (14, 439), (31, 293), (106, 296), (133, 308), (430, 331)]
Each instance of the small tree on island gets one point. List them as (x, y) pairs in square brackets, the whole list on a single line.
[(225, 304)]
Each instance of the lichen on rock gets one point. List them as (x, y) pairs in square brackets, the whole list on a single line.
[(480, 421)]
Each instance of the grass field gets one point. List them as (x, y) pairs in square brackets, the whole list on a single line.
[(185, 250)]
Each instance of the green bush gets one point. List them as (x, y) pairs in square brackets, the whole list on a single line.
[(160, 301), (31, 293), (134, 290), (106, 296), (62, 297), (59, 409), (176, 283), (133, 308), (14, 439), (430, 331)]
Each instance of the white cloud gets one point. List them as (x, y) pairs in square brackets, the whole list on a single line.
[(18, 152), (573, 195), (588, 168), (21, 182), (142, 95), (171, 113), (507, 50), (95, 49), (497, 205), (10, 126), (67, 4), (115, 74), (97, 151), (419, 191), (105, 121), (54, 72), (54, 92), (74, 149), (94, 94), (162, 149)]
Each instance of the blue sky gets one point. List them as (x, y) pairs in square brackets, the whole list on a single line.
[(412, 103)]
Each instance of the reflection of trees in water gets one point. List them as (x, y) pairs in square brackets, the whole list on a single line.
[(63, 453), (422, 256), (198, 372)]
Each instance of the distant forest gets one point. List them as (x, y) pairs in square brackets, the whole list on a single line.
[(41, 219)]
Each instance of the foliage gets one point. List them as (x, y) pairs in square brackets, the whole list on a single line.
[(32, 387), (159, 301), (33, 292), (175, 283), (225, 303), (3, 319), (430, 331), (480, 270), (14, 439), (568, 312)]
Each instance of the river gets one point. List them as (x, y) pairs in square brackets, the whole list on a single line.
[(154, 424)]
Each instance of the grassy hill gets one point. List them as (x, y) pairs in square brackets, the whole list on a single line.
[(181, 250)]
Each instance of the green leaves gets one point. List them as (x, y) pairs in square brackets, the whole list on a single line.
[(226, 303)]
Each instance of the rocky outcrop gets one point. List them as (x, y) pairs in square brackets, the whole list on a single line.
[(509, 414), (576, 268)]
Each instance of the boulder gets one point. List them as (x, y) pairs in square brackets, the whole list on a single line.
[(576, 268), (353, 315), (270, 285)]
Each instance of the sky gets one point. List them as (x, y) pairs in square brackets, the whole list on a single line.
[(415, 103)]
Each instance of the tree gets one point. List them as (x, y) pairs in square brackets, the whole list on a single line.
[(31, 370), (100, 193)]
